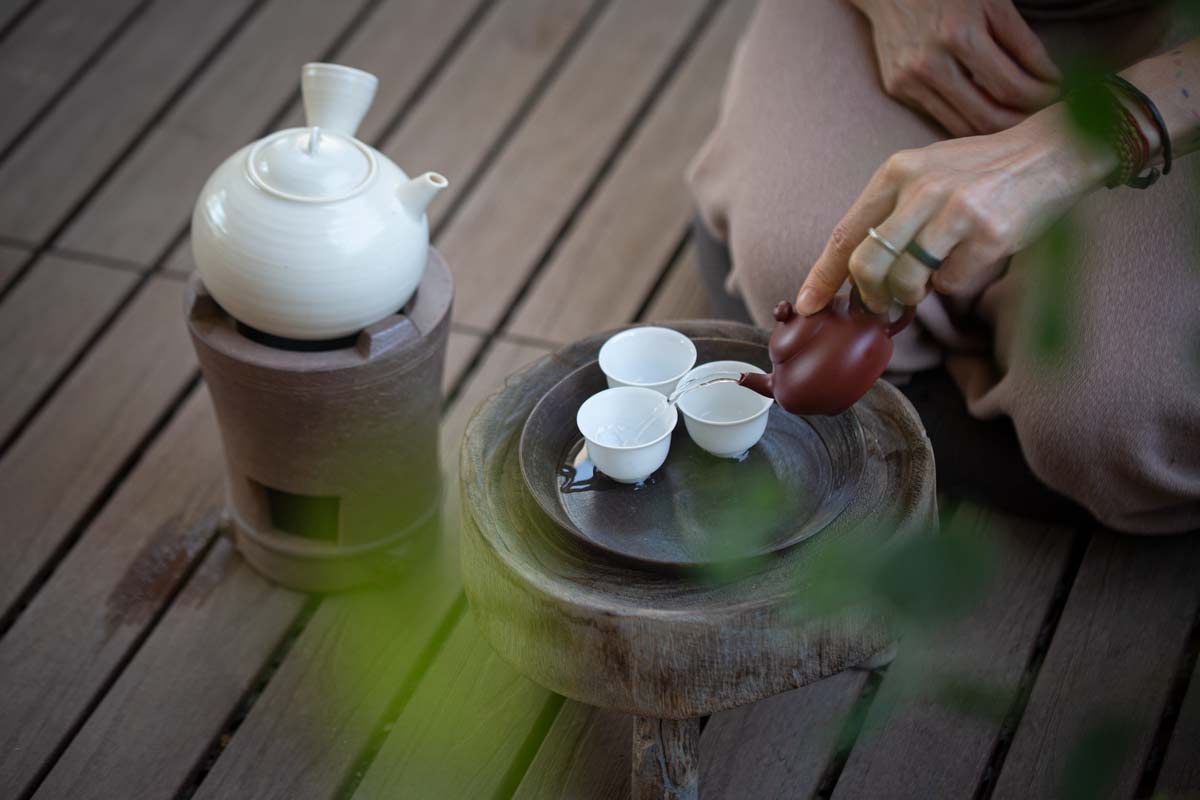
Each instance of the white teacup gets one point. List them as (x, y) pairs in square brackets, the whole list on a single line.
[(619, 441), (725, 419), (647, 357)]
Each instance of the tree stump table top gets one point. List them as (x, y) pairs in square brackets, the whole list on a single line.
[(610, 634)]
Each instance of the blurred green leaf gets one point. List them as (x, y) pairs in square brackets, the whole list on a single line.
[(936, 578), (1095, 759), (1089, 103), (1052, 301)]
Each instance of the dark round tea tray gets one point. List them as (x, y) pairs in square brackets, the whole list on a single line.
[(697, 510)]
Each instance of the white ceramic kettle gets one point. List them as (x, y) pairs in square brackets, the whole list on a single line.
[(309, 233)]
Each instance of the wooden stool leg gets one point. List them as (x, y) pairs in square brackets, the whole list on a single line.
[(666, 759)]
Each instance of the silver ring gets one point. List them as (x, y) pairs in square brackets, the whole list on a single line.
[(891, 248)]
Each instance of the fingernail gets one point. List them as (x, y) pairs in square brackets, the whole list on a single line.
[(806, 303)]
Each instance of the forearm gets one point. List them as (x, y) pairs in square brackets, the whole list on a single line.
[(1172, 81)]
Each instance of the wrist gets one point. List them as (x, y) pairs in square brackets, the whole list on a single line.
[(1083, 162)]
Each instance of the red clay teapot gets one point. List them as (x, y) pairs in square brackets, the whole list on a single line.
[(824, 363)]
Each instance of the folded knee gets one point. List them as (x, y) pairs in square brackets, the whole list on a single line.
[(1129, 466)]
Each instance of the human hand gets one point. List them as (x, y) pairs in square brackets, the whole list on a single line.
[(969, 202), (973, 65)]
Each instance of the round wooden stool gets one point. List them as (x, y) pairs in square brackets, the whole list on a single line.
[(664, 648)]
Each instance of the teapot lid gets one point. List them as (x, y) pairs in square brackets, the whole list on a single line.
[(310, 165)]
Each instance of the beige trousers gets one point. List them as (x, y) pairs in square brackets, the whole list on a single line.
[(1111, 417)]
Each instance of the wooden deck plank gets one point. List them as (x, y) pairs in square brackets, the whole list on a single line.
[(913, 746), (63, 648), (157, 721), (64, 459), (46, 50), (1180, 775), (609, 262), (460, 349), (467, 106), (11, 259), (483, 91), (779, 747), (146, 203), (682, 294), (1113, 656), (44, 322), (11, 9), (96, 119), (462, 730), (586, 754), (335, 685), (502, 229)]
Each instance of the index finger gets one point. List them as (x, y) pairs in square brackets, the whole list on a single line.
[(833, 266)]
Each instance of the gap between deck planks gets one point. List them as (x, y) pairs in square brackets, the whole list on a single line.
[(50, 316), (1117, 647), (56, 166), (11, 259), (47, 50), (61, 466)]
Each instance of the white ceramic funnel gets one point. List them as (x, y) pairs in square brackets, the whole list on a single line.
[(336, 98)]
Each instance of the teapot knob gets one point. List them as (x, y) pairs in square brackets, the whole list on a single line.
[(336, 98), (784, 311)]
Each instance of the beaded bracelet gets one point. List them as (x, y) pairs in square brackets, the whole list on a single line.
[(1115, 83)]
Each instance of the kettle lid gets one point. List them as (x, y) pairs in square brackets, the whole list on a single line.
[(310, 165)]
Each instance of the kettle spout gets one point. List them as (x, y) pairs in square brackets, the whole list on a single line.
[(759, 382), (416, 195)]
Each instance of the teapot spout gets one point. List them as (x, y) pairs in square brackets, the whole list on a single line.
[(416, 195), (336, 98), (763, 383)]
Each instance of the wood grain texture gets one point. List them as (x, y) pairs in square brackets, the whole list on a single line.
[(70, 451), (44, 322), (173, 699), (83, 622), (46, 49), (681, 295), (11, 260), (914, 745), (1113, 655), (460, 733), (585, 756), (100, 115), (781, 746), (400, 41), (482, 91), (666, 759), (146, 203), (606, 634), (1180, 775), (502, 229), (612, 258), (331, 691)]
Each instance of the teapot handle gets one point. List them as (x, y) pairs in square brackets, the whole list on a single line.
[(893, 326)]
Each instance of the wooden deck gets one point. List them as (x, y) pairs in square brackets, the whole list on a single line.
[(141, 658)]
